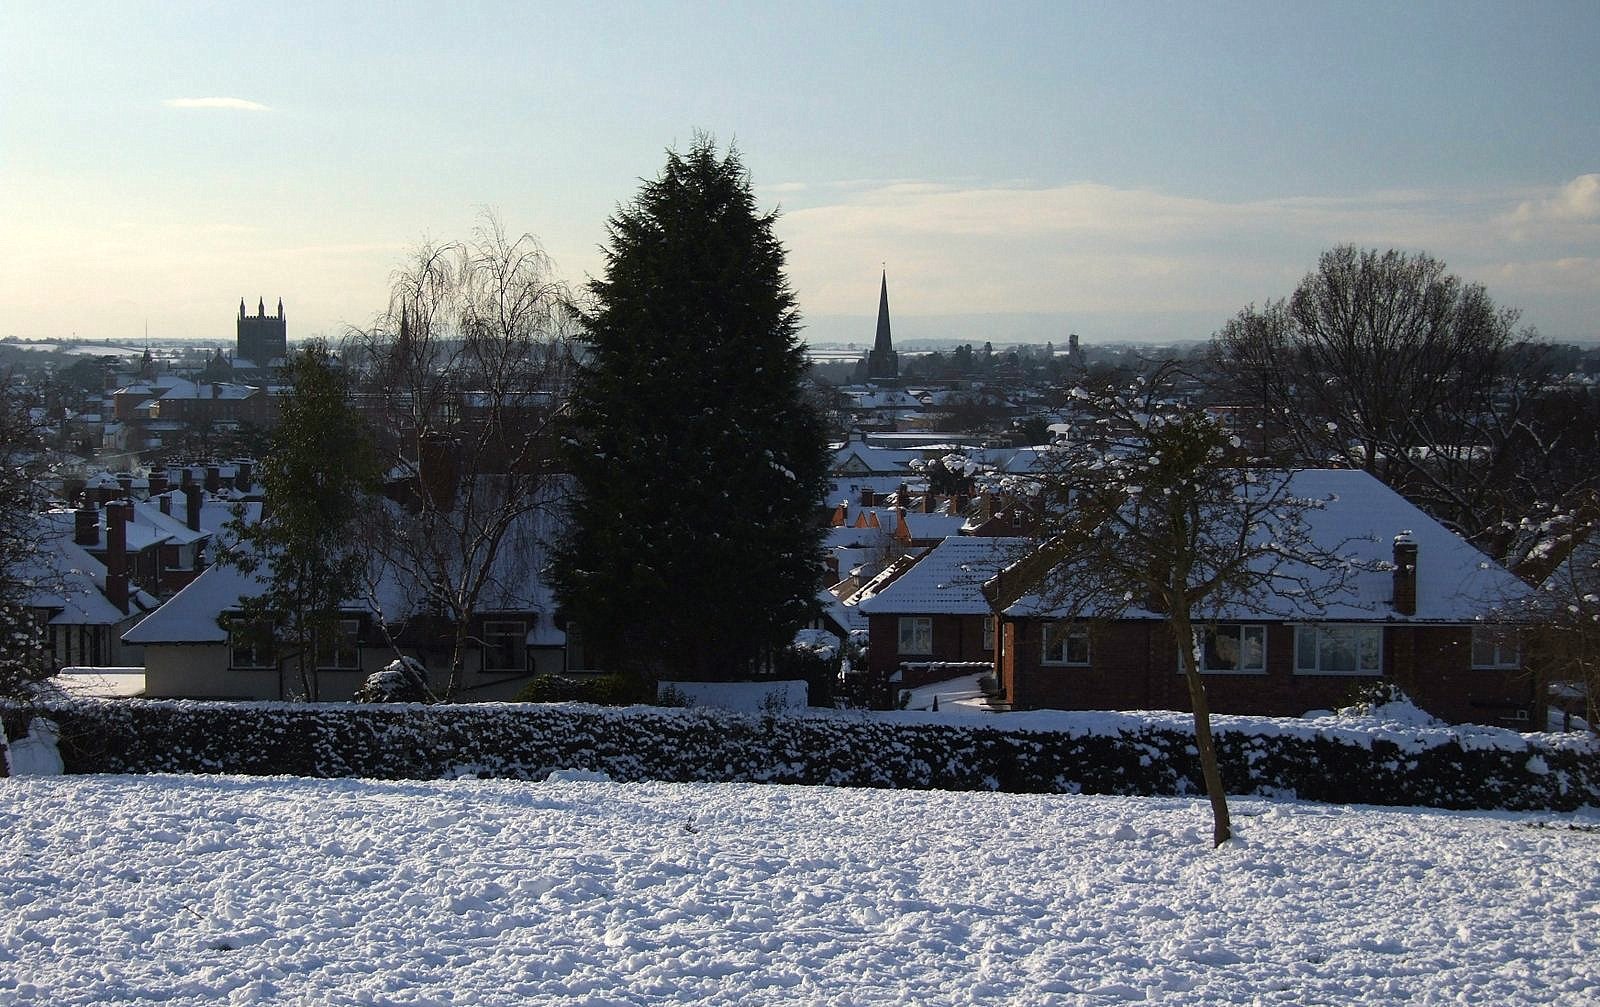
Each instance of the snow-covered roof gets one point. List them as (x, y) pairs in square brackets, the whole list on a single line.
[(948, 579), (218, 390), (140, 535), (190, 616), (513, 586), (849, 487), (869, 460), (1360, 519), (71, 583)]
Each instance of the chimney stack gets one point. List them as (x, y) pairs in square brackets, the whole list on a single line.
[(213, 479), (125, 480), (191, 495), (868, 497), (86, 526), (117, 555), (245, 477), (158, 482), (165, 502), (1405, 574)]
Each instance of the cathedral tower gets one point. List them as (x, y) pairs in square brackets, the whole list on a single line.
[(263, 338)]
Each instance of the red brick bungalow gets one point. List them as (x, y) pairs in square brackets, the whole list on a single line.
[(933, 621), (1426, 626)]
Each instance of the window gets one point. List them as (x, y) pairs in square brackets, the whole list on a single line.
[(1494, 647), (916, 634), (1338, 650), (988, 632), (1233, 647), (250, 644), (1065, 643), (505, 646), (341, 647)]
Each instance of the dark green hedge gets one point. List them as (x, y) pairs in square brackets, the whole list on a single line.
[(836, 749)]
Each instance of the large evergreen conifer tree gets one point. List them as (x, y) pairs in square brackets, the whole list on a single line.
[(693, 550)]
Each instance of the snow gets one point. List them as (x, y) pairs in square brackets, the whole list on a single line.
[(36, 753), (188, 891), (949, 578), (105, 683), (954, 695)]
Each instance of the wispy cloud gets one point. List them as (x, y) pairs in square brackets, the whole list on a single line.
[(233, 104), (1089, 247)]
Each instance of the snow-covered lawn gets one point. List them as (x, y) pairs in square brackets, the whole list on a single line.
[(225, 890)]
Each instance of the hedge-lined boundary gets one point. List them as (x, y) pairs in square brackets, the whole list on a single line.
[(641, 743)]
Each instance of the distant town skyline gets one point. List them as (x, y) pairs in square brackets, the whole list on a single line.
[(1024, 170)]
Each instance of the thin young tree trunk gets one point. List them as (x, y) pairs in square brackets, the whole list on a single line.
[(1222, 824)]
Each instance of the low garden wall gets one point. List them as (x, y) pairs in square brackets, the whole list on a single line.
[(1151, 753)]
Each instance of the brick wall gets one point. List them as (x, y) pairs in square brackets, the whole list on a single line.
[(1134, 666), (955, 638)]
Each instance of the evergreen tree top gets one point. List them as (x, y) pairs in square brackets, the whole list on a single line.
[(692, 256)]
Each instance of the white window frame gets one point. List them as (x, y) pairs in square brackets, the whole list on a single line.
[(514, 630), (1321, 637), (1490, 645), (1241, 630), (1055, 649), (349, 630), (263, 656), (916, 634)]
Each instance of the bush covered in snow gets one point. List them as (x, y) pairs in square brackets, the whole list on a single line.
[(403, 680), (1335, 759)]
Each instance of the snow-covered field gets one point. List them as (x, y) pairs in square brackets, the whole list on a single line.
[(224, 890)]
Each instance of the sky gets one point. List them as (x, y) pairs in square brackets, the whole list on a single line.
[(1020, 170)]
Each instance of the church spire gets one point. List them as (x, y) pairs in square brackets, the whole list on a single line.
[(883, 344), (883, 364)]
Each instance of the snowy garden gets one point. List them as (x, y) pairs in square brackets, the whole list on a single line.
[(233, 890)]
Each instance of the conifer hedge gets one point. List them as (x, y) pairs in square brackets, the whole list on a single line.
[(528, 741)]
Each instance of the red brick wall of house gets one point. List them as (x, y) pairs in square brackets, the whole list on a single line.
[(955, 638), (1134, 665)]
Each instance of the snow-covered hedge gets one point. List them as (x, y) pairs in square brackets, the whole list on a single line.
[(1329, 760)]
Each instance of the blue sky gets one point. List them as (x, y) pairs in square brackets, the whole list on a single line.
[(1024, 170)]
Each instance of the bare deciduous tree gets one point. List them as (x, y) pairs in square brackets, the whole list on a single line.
[(1387, 363), (1150, 504), (464, 377)]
